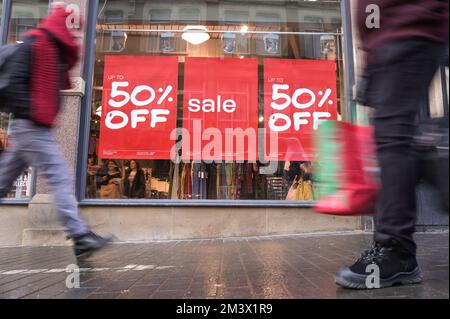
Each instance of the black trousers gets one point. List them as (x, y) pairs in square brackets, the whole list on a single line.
[(400, 81)]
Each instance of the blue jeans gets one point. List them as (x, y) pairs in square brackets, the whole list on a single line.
[(33, 145)]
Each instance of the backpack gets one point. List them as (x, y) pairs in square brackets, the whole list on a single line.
[(6, 52)]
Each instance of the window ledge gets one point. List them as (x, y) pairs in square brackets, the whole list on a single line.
[(78, 86), (19, 202), (196, 203)]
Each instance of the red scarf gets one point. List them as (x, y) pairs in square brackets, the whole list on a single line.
[(47, 59)]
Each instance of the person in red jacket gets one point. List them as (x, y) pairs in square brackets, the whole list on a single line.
[(404, 52), (41, 69)]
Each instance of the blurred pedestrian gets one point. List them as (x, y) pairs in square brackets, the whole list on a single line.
[(403, 55), (40, 69)]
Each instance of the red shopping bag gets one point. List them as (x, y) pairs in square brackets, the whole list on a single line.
[(347, 182)]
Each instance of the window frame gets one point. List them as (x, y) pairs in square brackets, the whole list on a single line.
[(82, 156)]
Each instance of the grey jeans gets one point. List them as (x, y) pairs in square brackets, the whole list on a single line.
[(35, 146)]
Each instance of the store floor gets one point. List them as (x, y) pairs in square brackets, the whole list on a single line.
[(300, 266)]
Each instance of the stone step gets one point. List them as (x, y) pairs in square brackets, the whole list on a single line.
[(44, 237)]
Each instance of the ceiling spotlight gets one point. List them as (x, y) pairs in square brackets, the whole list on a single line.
[(195, 34), (244, 29)]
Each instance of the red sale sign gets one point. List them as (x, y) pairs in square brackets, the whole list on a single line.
[(220, 110), (139, 107), (298, 95)]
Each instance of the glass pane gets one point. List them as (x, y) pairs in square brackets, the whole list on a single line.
[(21, 188), (147, 62), (25, 15)]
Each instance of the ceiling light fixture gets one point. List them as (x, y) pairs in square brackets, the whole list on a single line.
[(195, 34)]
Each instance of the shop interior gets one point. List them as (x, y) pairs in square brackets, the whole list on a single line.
[(155, 28)]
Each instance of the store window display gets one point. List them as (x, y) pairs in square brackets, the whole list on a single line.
[(21, 188), (25, 15), (149, 35)]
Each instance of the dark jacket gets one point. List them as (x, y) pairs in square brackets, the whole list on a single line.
[(137, 188), (41, 69), (403, 19), (18, 94), (110, 177)]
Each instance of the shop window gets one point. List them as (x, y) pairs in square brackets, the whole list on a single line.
[(271, 19), (191, 15), (21, 188), (160, 15), (114, 17), (336, 21), (234, 17), (25, 15), (24, 23), (174, 91), (313, 23)]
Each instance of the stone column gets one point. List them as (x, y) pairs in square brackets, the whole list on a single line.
[(44, 226)]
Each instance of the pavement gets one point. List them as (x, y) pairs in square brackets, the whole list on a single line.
[(298, 266)]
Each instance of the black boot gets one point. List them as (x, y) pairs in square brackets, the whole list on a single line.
[(383, 265), (85, 245)]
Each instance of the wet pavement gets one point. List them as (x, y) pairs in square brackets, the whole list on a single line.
[(300, 266)]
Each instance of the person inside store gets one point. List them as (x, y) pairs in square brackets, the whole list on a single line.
[(119, 41), (92, 170), (111, 182), (134, 181)]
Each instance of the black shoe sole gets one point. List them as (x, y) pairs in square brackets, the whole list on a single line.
[(89, 252), (348, 279)]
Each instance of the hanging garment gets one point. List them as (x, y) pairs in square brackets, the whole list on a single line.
[(286, 183), (188, 182), (238, 173), (222, 182), (196, 180), (181, 191), (212, 181), (229, 180), (260, 183), (199, 177), (247, 183), (175, 184), (204, 181)]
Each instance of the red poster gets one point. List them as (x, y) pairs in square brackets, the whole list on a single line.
[(220, 110), (139, 107), (299, 94)]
